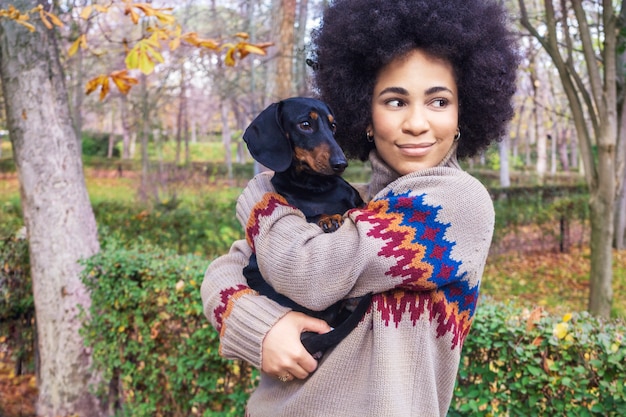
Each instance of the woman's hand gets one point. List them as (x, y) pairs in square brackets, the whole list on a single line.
[(283, 355)]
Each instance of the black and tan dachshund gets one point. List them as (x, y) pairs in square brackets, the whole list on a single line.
[(295, 139)]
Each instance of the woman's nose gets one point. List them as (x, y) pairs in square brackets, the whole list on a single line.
[(416, 121)]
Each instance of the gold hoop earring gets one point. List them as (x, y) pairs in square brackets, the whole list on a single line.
[(369, 136), (457, 136)]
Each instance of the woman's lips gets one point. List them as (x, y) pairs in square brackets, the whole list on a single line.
[(415, 149)]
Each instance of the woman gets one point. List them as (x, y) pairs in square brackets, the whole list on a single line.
[(413, 85)]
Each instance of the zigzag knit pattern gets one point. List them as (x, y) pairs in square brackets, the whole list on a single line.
[(416, 239)]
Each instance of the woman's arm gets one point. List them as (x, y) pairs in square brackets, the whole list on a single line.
[(252, 327), (424, 231)]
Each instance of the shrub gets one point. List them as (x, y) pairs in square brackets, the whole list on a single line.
[(529, 364), (150, 338), (97, 144), (208, 228), (17, 309)]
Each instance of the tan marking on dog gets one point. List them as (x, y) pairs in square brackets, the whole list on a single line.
[(317, 160)]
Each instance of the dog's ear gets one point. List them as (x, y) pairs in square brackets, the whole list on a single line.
[(266, 140)]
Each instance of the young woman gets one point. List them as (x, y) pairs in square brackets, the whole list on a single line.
[(413, 85)]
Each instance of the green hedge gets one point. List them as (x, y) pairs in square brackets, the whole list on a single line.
[(520, 363), (17, 309), (207, 228), (151, 339)]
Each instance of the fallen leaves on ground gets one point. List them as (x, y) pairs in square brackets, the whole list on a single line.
[(18, 393)]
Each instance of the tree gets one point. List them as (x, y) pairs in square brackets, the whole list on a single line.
[(589, 61), (57, 213)]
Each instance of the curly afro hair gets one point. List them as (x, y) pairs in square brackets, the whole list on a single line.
[(358, 37)]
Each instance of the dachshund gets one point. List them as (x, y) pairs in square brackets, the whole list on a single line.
[(296, 139)]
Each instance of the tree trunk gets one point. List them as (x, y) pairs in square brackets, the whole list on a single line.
[(126, 153), (302, 85), (620, 219), (593, 99), (505, 176), (601, 276), (539, 93), (57, 212), (226, 138), (283, 76)]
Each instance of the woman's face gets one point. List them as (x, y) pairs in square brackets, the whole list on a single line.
[(415, 110)]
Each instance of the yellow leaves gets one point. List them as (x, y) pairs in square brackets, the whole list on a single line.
[(193, 39), (48, 19), (81, 42), (162, 15), (561, 330), (85, 14), (101, 82), (121, 79), (144, 54), (18, 17), (161, 27), (241, 50)]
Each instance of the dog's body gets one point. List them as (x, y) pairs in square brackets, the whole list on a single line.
[(295, 138)]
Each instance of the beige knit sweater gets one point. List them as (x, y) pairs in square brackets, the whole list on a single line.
[(419, 245)]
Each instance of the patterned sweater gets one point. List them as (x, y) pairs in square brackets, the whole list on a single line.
[(420, 246)]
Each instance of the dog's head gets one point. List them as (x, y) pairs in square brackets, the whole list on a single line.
[(296, 132)]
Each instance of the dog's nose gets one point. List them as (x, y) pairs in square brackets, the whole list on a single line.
[(339, 167)]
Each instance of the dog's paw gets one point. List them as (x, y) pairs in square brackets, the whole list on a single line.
[(330, 222)]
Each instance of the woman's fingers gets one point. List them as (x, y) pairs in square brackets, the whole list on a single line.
[(282, 351)]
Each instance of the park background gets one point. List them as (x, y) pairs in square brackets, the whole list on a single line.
[(158, 153)]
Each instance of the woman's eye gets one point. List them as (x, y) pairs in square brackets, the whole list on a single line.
[(440, 102), (395, 103)]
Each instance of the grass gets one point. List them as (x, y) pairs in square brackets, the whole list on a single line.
[(557, 282)]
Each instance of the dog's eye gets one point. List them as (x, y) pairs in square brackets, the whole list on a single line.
[(333, 127), (306, 126)]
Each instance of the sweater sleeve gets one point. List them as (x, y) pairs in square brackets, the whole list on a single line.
[(239, 314), (424, 231)]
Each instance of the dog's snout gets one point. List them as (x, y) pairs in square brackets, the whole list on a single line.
[(339, 166)]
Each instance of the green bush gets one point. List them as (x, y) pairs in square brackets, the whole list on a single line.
[(97, 144), (553, 209), (17, 309), (207, 228), (150, 338), (10, 218), (529, 364)]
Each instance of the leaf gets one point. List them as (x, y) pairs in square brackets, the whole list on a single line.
[(192, 39), (533, 318), (102, 82), (49, 19), (55, 20), (86, 12), (25, 24), (145, 64), (229, 59), (80, 42), (560, 330), (123, 81), (132, 58), (246, 49)]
